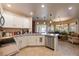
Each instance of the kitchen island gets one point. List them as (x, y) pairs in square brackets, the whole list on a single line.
[(47, 40), (25, 40)]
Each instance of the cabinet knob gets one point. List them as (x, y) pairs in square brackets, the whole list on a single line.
[(40, 39)]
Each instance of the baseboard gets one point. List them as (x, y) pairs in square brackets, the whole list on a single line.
[(49, 48), (33, 46)]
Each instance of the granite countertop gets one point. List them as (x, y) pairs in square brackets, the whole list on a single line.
[(32, 34), (35, 34), (5, 37), (51, 34)]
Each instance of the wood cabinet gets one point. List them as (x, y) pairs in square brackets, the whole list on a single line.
[(35, 40), (40, 40), (18, 42), (23, 41), (32, 40), (16, 21), (50, 41), (8, 19)]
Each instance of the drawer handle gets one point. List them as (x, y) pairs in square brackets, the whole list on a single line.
[(41, 39)]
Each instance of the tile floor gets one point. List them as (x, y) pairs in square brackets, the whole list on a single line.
[(64, 49), (68, 49)]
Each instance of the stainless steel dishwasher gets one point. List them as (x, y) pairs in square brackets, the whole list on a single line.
[(49, 41)]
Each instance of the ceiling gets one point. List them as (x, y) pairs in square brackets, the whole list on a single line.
[(59, 11)]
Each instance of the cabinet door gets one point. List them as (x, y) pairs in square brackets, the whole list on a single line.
[(18, 42), (29, 41), (40, 40), (8, 19), (32, 40), (24, 42), (46, 41), (27, 22)]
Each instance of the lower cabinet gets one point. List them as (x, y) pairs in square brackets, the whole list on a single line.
[(31, 40), (21, 42), (36, 40), (40, 40), (24, 41), (18, 42)]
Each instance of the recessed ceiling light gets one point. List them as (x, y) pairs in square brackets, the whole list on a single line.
[(37, 22), (8, 5), (42, 6), (70, 8), (31, 13)]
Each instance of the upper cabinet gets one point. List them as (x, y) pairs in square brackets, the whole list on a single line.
[(15, 21), (27, 23), (8, 19)]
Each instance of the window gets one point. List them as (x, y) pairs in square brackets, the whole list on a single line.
[(62, 27), (72, 27), (41, 28)]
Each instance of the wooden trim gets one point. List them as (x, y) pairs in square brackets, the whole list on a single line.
[(63, 22)]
